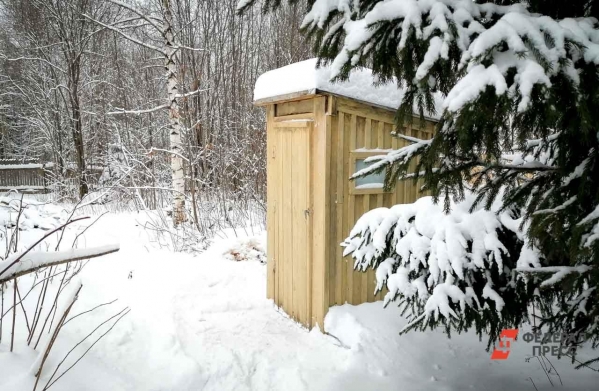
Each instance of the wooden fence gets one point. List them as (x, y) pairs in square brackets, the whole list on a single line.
[(28, 177)]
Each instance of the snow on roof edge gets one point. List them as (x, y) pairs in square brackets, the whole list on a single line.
[(303, 77)]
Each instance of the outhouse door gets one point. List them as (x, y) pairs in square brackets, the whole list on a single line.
[(289, 186)]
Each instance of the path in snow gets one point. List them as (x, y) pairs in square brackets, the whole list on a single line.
[(203, 323)]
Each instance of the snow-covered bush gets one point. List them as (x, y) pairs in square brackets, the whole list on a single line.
[(29, 214)]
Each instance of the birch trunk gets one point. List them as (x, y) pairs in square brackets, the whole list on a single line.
[(175, 125)]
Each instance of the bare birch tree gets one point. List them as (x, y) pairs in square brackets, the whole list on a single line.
[(163, 26)]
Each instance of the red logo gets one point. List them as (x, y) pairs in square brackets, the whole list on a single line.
[(506, 338)]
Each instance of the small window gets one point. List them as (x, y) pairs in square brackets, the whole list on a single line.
[(371, 181), (369, 184)]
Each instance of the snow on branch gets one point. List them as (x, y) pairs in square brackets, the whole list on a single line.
[(143, 111), (400, 156), (559, 272), (23, 58), (442, 264), (421, 253), (127, 36), (178, 47), (38, 260), (153, 109), (538, 47), (154, 149), (188, 94), (154, 23)]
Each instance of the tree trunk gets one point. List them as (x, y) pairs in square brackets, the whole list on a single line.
[(77, 128), (175, 126)]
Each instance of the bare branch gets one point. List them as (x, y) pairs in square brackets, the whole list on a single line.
[(191, 93), (145, 111), (160, 29), (189, 48), (127, 36), (167, 151), (22, 58)]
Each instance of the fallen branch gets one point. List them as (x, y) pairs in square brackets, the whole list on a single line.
[(11, 262), (40, 260)]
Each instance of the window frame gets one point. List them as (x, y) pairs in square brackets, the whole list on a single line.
[(360, 154)]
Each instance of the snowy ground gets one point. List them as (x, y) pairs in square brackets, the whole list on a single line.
[(203, 323)]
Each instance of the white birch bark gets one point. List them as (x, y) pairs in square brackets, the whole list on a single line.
[(175, 125)]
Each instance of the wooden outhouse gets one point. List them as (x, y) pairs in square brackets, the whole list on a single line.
[(318, 134)]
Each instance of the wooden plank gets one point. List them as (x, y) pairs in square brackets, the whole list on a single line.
[(321, 188), (298, 240), (345, 230), (287, 226), (306, 261), (360, 292), (292, 97), (341, 179), (399, 187), (332, 122), (280, 234), (271, 183), (380, 144), (296, 123), (280, 254), (295, 107), (352, 107), (350, 221), (380, 133), (309, 193), (355, 275), (292, 117), (368, 133), (364, 276), (360, 132)]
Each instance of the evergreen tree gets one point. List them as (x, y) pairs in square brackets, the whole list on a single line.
[(519, 130)]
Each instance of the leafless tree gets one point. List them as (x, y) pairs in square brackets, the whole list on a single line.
[(86, 98)]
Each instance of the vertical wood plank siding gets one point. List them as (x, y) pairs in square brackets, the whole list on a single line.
[(310, 208), (369, 128)]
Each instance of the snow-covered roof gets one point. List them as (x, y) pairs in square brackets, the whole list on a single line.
[(305, 78)]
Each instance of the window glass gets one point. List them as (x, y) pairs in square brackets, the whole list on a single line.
[(372, 181)]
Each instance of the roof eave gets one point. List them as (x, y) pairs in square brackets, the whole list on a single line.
[(307, 94)]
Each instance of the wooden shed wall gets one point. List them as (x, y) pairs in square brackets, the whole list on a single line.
[(336, 126), (359, 126)]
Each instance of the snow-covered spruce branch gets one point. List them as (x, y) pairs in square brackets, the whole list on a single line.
[(538, 47), (441, 261), (400, 156), (559, 272), (534, 166), (468, 266)]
